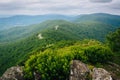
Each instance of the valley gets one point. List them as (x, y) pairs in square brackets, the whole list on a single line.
[(56, 34)]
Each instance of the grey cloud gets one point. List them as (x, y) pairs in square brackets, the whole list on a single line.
[(11, 6), (101, 1), (59, 6), (40, 2), (5, 7), (64, 8), (115, 5)]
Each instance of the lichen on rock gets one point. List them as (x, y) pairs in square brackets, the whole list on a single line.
[(13, 73), (79, 70), (101, 74)]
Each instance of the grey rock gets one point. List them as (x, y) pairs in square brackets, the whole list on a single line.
[(79, 71), (100, 74), (13, 73)]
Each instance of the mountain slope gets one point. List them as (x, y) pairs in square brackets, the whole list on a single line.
[(16, 44), (88, 29), (51, 32), (18, 33), (24, 20), (113, 20)]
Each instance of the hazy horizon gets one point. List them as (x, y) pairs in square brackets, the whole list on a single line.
[(6, 16)]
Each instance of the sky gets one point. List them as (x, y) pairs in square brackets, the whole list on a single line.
[(65, 7)]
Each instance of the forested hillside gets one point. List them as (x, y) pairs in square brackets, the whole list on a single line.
[(88, 29), (25, 20), (100, 17), (18, 43)]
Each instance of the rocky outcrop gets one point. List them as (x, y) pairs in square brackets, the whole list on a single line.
[(13, 73), (100, 74), (114, 70), (79, 71)]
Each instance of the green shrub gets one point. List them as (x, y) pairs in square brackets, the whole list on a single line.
[(78, 53), (51, 64), (54, 64), (98, 54)]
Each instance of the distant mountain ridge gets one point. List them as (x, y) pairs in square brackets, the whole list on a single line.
[(100, 17), (25, 20), (88, 29)]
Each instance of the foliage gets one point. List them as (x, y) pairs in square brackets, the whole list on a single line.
[(87, 29), (55, 63), (98, 54), (113, 40), (16, 53), (16, 44), (50, 64)]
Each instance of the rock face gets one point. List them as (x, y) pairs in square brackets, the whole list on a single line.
[(101, 74), (79, 71), (13, 73)]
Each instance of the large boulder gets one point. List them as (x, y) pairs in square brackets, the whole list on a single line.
[(79, 71), (13, 73), (101, 74)]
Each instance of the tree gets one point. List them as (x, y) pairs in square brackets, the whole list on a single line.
[(113, 40)]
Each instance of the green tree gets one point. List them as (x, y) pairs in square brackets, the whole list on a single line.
[(113, 40)]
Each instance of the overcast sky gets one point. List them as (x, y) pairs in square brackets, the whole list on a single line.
[(66, 7)]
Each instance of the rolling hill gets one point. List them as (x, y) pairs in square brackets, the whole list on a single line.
[(100, 17), (88, 29), (17, 43), (25, 20)]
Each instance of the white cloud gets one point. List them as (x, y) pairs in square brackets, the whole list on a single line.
[(71, 7), (101, 1)]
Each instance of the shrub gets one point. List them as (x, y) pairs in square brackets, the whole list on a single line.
[(98, 54), (54, 64), (51, 64)]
